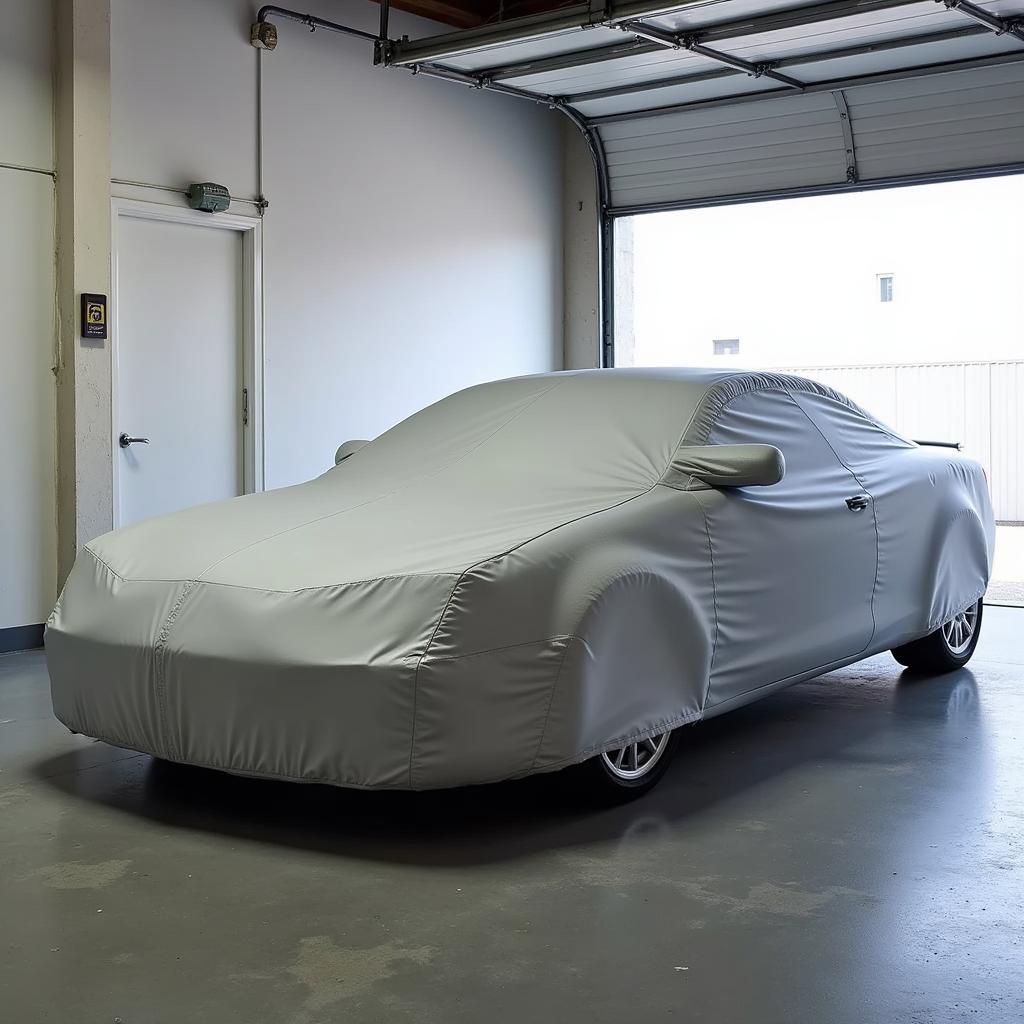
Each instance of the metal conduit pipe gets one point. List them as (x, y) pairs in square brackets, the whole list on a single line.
[(313, 23), (29, 170)]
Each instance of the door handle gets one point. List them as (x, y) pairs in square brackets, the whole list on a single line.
[(858, 502), (124, 440)]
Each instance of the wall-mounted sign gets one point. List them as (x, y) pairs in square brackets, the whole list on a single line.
[(94, 315)]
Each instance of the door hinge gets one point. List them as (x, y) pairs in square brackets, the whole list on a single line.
[(245, 407)]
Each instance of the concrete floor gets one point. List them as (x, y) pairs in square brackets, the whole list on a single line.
[(850, 850)]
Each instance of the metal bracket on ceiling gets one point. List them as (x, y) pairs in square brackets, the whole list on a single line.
[(692, 43), (1001, 26), (849, 144)]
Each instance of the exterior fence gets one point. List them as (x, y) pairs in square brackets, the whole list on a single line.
[(981, 405)]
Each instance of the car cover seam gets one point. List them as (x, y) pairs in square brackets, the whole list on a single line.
[(416, 672), (114, 572), (874, 513), (714, 596), (504, 647), (752, 382), (159, 649), (266, 590), (702, 439), (160, 659), (380, 497), (615, 742), (551, 699)]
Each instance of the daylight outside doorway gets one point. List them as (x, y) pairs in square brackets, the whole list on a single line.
[(905, 299)]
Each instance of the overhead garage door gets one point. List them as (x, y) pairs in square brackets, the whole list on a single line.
[(958, 121), (711, 100)]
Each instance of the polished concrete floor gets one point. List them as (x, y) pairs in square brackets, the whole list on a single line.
[(850, 850)]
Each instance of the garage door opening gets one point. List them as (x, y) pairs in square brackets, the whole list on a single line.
[(905, 299)]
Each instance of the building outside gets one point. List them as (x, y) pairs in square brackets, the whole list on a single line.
[(908, 275)]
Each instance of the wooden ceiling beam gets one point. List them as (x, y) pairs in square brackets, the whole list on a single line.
[(460, 14), (473, 13)]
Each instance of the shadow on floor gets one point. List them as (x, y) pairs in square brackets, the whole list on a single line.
[(824, 720)]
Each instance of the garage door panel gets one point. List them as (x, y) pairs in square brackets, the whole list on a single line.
[(872, 22), (662, 158), (953, 119), (774, 113), (642, 67), (778, 132), (993, 158), (946, 122), (696, 169), (713, 186), (691, 92), (797, 139), (985, 44)]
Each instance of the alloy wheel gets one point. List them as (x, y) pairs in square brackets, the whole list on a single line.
[(635, 760), (959, 632)]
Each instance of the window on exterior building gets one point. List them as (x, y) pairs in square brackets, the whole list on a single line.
[(726, 346), (885, 287)]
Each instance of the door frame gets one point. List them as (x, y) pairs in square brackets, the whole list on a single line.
[(253, 353)]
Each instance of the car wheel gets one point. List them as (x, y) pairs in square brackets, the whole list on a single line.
[(630, 771), (950, 647)]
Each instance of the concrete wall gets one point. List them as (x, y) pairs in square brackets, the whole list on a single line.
[(27, 335), (413, 243)]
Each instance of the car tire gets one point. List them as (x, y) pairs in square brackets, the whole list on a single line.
[(630, 771), (950, 647)]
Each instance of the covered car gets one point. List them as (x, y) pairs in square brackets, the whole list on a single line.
[(528, 574)]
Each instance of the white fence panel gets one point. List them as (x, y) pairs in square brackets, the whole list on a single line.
[(1007, 441)]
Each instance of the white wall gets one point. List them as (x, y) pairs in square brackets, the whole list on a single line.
[(413, 244), (27, 411)]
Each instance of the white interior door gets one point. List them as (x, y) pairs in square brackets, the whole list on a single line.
[(180, 327)]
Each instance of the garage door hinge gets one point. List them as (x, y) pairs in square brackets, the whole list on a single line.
[(245, 407)]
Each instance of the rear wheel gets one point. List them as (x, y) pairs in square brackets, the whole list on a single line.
[(630, 771), (950, 647)]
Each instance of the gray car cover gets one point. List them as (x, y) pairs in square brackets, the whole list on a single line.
[(516, 578)]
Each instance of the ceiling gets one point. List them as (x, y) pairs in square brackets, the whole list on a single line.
[(473, 13), (642, 56)]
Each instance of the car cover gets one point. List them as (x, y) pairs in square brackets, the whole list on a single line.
[(509, 581)]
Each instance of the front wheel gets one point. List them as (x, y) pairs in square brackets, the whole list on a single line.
[(630, 771), (950, 647)]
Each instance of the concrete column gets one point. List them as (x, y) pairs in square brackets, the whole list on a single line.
[(581, 336), (82, 149)]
